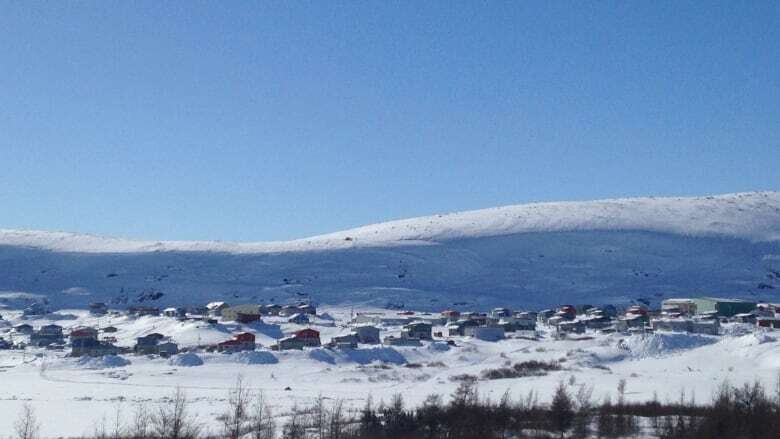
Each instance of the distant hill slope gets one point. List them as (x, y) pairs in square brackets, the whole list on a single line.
[(528, 255)]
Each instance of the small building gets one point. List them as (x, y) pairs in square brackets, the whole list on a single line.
[(747, 317), (91, 347), (299, 319), (631, 321), (723, 307), (367, 334), (344, 341), (768, 322), (486, 333), (98, 308), (498, 313), (288, 310), (596, 321), (83, 333), (24, 328), (215, 308), (309, 337), (241, 313), (240, 342), (544, 316), (401, 341), (288, 343), (572, 327), (709, 327), (175, 312), (672, 325), (450, 315), (46, 335), (458, 328), (110, 329), (680, 306), (5, 344), (418, 330), (167, 349), (146, 345)]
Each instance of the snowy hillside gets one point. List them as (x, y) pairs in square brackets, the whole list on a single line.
[(527, 255)]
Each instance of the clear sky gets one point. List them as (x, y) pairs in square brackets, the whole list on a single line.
[(274, 120)]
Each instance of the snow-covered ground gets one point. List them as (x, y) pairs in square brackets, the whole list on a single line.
[(535, 255), (71, 395)]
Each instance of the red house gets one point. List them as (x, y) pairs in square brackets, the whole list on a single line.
[(241, 342), (309, 337)]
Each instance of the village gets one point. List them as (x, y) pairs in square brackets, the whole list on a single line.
[(703, 315)]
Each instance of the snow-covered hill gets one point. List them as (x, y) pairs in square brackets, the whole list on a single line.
[(527, 255)]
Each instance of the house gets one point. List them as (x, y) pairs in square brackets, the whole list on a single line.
[(748, 317), (525, 321), (680, 306), (572, 327), (710, 327), (83, 333), (497, 313), (768, 322), (596, 320), (672, 325), (450, 315), (307, 308), (240, 342), (242, 313), (459, 327), (418, 330), (631, 321), (167, 349), (215, 308), (344, 341), (140, 311), (544, 316), (288, 343), (146, 345), (98, 308), (299, 319), (723, 307), (309, 337), (568, 312), (24, 328), (401, 341), (175, 312), (91, 347), (486, 333), (367, 334), (46, 335)]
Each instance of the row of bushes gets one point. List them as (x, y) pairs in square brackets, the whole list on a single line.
[(743, 412)]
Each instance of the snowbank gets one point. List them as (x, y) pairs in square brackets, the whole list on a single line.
[(188, 359), (656, 345), (254, 357), (104, 362)]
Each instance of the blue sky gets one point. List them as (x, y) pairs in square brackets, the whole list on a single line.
[(277, 120)]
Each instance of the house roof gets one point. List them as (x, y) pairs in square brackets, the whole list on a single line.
[(308, 332)]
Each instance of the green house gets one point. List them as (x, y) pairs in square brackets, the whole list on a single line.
[(723, 307)]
